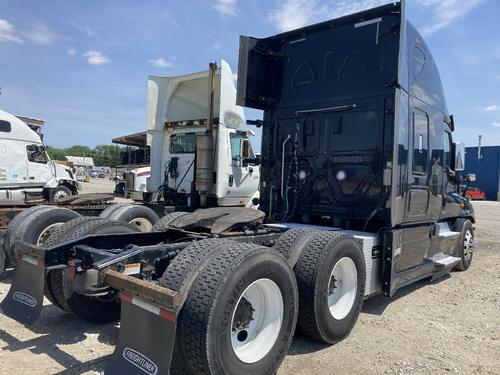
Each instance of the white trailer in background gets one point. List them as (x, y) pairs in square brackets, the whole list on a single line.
[(191, 159), (26, 171)]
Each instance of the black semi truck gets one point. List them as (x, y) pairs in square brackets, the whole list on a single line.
[(359, 196)]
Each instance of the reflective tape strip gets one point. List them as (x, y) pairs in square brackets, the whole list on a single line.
[(369, 22), (32, 260), (143, 304), (132, 269)]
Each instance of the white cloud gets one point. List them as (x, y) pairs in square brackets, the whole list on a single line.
[(491, 108), (41, 35), (496, 124), (96, 57), (225, 7), (71, 51), (292, 14), (446, 12), (8, 34), (161, 63), (87, 30)]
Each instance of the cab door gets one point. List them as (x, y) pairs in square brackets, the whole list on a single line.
[(39, 166), (243, 180)]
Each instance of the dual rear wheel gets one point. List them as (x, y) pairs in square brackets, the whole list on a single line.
[(243, 301)]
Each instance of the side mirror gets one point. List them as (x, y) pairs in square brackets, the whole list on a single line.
[(459, 156), (247, 161)]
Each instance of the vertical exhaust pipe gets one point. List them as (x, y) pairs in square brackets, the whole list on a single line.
[(479, 157), (205, 145)]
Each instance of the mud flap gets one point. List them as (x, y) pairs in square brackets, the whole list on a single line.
[(147, 329), (25, 298), (146, 339)]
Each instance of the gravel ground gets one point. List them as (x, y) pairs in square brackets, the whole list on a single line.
[(445, 327)]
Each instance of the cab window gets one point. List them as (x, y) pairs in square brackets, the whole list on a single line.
[(36, 154), (183, 143), (5, 126), (420, 142), (239, 149)]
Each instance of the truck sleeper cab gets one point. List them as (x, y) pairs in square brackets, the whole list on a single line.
[(357, 135), (359, 196), (26, 171)]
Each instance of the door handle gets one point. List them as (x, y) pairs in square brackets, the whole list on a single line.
[(231, 180)]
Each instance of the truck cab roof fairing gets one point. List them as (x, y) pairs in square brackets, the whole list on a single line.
[(19, 130), (182, 98)]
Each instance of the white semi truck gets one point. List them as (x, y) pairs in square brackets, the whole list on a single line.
[(26, 171), (194, 162)]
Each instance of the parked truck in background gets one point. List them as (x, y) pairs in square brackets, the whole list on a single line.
[(26, 171), (187, 153), (359, 196)]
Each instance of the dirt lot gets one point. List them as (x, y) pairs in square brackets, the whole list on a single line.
[(449, 326), (97, 185), (100, 185)]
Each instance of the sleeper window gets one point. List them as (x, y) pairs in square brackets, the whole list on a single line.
[(5, 126), (420, 142), (183, 143)]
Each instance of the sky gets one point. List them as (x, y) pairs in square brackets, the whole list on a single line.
[(82, 66)]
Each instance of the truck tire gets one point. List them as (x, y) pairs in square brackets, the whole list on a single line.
[(93, 309), (142, 217), (291, 243), (36, 227), (240, 313), (54, 279), (3, 259), (110, 209), (465, 246), (164, 223), (59, 193), (183, 270), (14, 225), (331, 279)]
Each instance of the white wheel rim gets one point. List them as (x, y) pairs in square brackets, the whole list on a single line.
[(60, 194), (342, 288), (468, 240), (46, 233), (142, 223), (257, 337)]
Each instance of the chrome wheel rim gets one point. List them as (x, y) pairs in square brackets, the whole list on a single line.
[(468, 244)]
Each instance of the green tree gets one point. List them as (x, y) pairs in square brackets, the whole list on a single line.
[(103, 155)]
